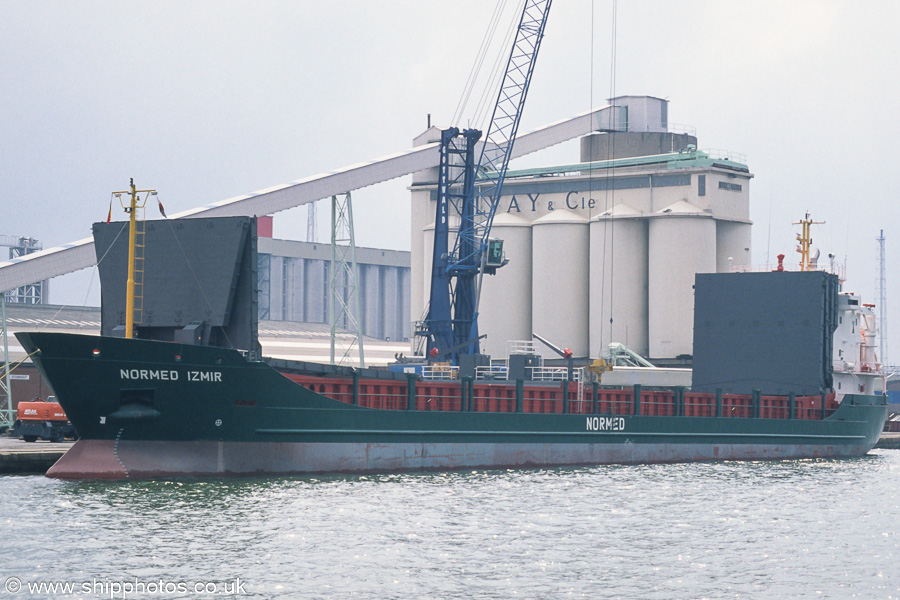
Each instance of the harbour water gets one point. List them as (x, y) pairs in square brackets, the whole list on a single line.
[(794, 529)]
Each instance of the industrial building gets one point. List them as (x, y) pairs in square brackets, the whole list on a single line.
[(606, 249), (294, 286)]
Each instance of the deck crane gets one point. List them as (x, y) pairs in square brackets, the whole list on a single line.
[(467, 197)]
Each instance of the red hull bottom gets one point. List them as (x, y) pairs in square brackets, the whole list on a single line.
[(108, 459)]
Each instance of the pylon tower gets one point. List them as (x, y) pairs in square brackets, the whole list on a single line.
[(882, 303), (344, 278)]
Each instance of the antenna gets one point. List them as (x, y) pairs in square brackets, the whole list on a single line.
[(804, 242), (882, 301)]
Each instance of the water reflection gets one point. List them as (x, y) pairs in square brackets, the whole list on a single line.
[(728, 529)]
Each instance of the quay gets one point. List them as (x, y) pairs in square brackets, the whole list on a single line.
[(19, 456), (890, 440)]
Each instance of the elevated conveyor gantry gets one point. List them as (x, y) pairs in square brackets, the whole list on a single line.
[(79, 254)]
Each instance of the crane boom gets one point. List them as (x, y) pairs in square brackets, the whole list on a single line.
[(496, 151), (472, 191)]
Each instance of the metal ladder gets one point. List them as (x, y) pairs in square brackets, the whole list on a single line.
[(140, 246)]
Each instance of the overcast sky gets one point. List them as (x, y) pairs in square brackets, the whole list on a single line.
[(208, 100)]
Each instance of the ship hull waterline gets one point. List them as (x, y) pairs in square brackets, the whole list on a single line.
[(106, 459)]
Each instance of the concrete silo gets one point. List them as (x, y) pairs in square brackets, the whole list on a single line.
[(417, 257), (505, 305), (682, 242), (428, 251), (559, 310), (732, 242), (618, 280)]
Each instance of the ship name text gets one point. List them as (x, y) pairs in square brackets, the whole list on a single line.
[(606, 424), (169, 375)]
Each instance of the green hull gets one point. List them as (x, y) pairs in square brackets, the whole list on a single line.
[(146, 408)]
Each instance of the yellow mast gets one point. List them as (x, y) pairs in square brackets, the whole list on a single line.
[(805, 240), (135, 202)]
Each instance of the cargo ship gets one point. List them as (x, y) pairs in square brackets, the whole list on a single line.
[(784, 368)]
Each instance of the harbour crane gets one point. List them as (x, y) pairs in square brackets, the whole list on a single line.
[(467, 198)]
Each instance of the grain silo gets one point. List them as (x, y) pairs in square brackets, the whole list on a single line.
[(638, 269), (732, 246), (559, 311), (682, 242), (428, 249), (618, 280), (505, 307)]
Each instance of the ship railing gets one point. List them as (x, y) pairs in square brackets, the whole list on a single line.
[(442, 393), (491, 398), (839, 270), (681, 128), (438, 372), (499, 362), (722, 154), (555, 374), (520, 347), (250, 355), (841, 366), (493, 372), (441, 398), (859, 368)]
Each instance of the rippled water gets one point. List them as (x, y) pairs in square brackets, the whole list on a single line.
[(798, 529)]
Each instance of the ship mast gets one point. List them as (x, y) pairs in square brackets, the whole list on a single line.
[(136, 201), (805, 240)]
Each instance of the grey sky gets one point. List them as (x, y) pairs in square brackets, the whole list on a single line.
[(209, 100)]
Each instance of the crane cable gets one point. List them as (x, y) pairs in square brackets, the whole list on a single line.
[(479, 62), (87, 294), (496, 78), (612, 233), (490, 90), (609, 224)]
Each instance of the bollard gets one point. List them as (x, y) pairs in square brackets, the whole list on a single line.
[(790, 405), (755, 402), (718, 402)]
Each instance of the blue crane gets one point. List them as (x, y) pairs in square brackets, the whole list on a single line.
[(469, 191)]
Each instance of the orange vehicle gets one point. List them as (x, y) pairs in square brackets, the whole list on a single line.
[(42, 419)]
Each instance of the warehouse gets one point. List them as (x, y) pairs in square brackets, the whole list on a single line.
[(294, 286)]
